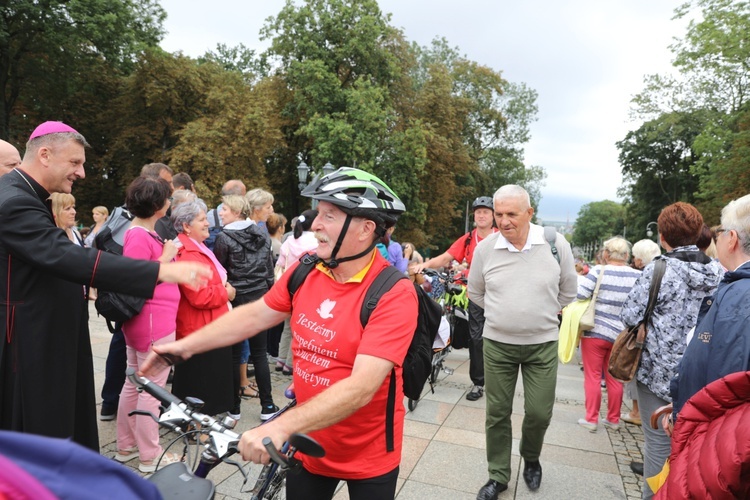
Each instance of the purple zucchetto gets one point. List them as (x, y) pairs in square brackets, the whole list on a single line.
[(51, 128)]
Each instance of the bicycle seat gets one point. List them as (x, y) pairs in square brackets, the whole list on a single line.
[(176, 481)]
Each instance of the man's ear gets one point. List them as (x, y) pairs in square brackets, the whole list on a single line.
[(43, 154), (368, 229)]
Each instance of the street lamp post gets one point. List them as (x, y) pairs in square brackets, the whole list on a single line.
[(303, 172), (649, 232)]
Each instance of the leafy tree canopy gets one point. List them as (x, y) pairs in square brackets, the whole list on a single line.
[(598, 221)]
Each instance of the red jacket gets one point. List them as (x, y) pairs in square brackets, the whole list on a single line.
[(199, 307), (711, 443)]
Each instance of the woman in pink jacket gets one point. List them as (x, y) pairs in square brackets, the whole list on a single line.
[(148, 200)]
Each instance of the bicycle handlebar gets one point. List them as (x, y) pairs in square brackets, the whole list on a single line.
[(222, 439)]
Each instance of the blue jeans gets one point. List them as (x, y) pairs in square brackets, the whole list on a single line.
[(114, 372)]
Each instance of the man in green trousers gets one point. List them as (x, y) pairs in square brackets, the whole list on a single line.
[(517, 278)]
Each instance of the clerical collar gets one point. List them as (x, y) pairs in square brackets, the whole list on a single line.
[(37, 188)]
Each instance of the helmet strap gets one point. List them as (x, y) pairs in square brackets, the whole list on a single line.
[(333, 262)]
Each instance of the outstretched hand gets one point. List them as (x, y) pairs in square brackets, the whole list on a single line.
[(161, 358), (193, 274)]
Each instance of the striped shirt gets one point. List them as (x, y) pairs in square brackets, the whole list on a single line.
[(616, 284)]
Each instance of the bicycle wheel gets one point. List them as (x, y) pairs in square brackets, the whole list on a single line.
[(436, 370), (412, 404), (277, 488)]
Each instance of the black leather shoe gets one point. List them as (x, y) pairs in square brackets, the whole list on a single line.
[(637, 468), (532, 474), (491, 490)]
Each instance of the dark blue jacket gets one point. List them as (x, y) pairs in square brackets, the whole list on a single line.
[(721, 343)]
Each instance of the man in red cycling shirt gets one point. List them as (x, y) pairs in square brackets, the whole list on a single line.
[(462, 249), (341, 370)]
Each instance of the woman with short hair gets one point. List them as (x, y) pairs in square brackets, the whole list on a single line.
[(207, 376), (244, 249), (100, 215), (596, 344), (690, 276), (64, 213), (148, 200)]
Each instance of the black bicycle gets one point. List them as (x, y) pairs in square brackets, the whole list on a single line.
[(452, 312), (218, 443)]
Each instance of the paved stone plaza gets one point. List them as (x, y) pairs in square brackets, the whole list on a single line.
[(444, 445)]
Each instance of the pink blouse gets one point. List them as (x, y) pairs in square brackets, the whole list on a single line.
[(157, 319)]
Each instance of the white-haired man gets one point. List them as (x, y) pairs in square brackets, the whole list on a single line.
[(521, 286)]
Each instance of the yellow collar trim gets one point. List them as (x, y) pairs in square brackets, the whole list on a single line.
[(357, 278)]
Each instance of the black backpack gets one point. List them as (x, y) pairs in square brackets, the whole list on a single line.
[(115, 307), (417, 364)]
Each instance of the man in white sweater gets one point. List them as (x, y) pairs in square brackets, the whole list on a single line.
[(521, 286)]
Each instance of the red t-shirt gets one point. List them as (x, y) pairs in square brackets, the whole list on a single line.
[(326, 338), (460, 250)]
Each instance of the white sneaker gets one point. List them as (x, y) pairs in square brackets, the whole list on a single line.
[(587, 425), (611, 425)]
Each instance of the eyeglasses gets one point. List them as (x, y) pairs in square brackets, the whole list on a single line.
[(719, 231)]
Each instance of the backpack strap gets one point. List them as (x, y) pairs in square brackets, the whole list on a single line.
[(383, 282), (306, 264), (550, 234), (468, 238)]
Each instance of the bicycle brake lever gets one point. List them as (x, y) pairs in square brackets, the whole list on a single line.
[(236, 464), (281, 460)]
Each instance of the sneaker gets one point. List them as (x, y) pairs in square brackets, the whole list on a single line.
[(611, 425), (235, 416), (268, 411), (475, 393), (108, 413), (587, 425)]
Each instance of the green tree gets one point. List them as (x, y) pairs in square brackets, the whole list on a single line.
[(598, 220), (657, 162), (41, 41)]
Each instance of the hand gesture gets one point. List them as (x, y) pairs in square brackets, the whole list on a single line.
[(169, 251)]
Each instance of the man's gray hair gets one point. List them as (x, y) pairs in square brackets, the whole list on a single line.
[(153, 170), (512, 191), (53, 140), (736, 215), (186, 213), (234, 186)]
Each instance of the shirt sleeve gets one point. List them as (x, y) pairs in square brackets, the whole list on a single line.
[(458, 249), (476, 285), (587, 283)]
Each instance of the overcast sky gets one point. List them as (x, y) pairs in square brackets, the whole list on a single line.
[(585, 58)]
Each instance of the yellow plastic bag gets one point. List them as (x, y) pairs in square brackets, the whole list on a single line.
[(570, 334), (657, 481)]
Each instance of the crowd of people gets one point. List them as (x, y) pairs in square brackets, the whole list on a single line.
[(217, 300)]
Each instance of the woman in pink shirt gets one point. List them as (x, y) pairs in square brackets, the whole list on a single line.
[(148, 200), (301, 242)]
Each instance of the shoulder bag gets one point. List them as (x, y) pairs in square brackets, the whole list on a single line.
[(586, 322), (626, 352)]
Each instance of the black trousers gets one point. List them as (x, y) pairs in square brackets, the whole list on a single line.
[(476, 344), (308, 486)]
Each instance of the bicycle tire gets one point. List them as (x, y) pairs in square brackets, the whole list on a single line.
[(436, 371), (277, 487), (412, 404)]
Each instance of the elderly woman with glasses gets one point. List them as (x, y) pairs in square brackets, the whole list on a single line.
[(720, 347), (690, 276), (207, 376)]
